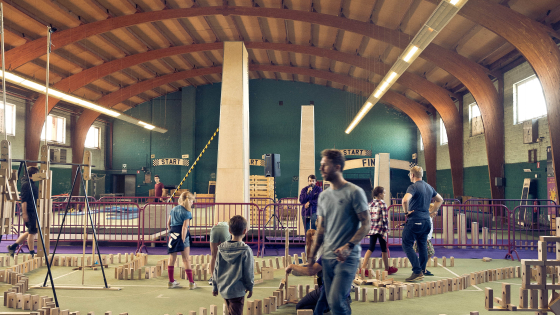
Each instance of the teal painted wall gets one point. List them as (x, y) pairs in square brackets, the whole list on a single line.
[(443, 183), (276, 129), (193, 116), (133, 145)]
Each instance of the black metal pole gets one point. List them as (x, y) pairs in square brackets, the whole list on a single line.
[(63, 220), (41, 235), (93, 229)]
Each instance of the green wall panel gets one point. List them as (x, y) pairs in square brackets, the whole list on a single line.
[(444, 183), (476, 182)]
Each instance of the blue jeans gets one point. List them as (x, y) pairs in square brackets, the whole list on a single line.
[(322, 303), (416, 230), (309, 222), (338, 277)]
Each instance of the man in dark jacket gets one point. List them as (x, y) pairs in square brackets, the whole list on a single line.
[(29, 195), (308, 198)]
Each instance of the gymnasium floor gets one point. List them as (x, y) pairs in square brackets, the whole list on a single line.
[(152, 296)]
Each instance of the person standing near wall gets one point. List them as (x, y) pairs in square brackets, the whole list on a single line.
[(29, 195), (343, 221), (158, 189), (308, 198), (416, 205)]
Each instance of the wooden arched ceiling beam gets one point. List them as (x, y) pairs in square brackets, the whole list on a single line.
[(432, 92), (411, 108), (471, 74), (533, 40)]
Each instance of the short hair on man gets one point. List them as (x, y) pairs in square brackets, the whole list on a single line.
[(311, 176), (32, 170), (237, 224), (156, 176), (335, 156), (417, 171)]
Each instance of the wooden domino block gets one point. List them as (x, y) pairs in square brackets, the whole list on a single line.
[(443, 261), (410, 291), (391, 292), (375, 290), (382, 294), (273, 304), (265, 307), (304, 312), (257, 310), (489, 302), (364, 295), (250, 307), (523, 298), (267, 273)]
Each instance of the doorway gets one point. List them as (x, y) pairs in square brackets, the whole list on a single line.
[(124, 184)]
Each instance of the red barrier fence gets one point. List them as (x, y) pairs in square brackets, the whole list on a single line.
[(476, 224)]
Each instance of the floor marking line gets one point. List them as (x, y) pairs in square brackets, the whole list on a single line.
[(479, 289), (40, 284)]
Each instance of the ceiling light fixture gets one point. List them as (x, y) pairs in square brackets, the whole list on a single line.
[(443, 13), (41, 88)]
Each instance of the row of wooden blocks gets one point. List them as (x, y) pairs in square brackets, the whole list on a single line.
[(136, 262), (5, 261), (20, 285), (495, 274), (255, 307), (529, 300), (401, 262), (199, 274), (271, 265), (41, 305), (28, 301), (125, 273), (22, 268), (397, 291)]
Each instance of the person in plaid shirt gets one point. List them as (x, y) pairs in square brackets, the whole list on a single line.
[(379, 228)]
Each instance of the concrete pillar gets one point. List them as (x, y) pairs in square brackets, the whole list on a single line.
[(232, 175), (306, 150), (382, 176)]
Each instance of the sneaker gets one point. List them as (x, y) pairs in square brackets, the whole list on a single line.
[(192, 285), (427, 273), (11, 250), (392, 270), (415, 277), (173, 285), (210, 281)]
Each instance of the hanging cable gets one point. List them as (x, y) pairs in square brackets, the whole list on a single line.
[(4, 127)]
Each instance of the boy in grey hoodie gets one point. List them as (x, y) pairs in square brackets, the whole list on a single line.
[(233, 273)]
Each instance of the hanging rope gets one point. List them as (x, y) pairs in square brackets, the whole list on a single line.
[(192, 167)]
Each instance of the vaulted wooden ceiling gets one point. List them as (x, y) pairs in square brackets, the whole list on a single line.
[(26, 20)]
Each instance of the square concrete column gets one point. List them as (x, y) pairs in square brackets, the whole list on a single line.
[(232, 175), (306, 151), (382, 176)]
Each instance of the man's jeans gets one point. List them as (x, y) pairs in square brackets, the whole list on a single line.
[(309, 222), (416, 230), (338, 277)]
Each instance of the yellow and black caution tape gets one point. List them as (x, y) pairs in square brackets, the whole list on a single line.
[(190, 170)]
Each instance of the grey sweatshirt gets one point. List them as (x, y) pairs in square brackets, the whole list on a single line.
[(233, 272)]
